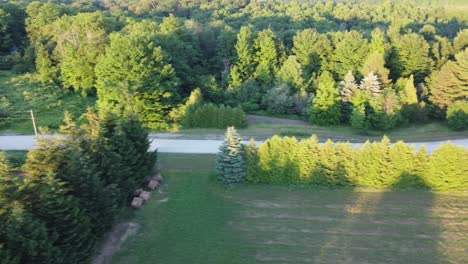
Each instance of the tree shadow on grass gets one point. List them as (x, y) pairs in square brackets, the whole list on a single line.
[(393, 226)]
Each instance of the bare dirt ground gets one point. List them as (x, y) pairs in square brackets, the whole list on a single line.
[(114, 241)]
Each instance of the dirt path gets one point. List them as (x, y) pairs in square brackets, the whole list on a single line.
[(256, 119), (114, 241)]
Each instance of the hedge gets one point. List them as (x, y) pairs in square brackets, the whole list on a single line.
[(215, 116), (378, 164)]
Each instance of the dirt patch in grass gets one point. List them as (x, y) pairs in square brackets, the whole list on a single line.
[(114, 241)]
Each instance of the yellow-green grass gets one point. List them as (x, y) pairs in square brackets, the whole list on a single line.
[(195, 220)]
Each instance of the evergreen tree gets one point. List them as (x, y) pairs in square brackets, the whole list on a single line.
[(378, 42), (371, 85), (451, 82), (375, 63), (460, 42), (448, 167), (46, 198), (230, 164), (350, 50), (291, 73), (244, 47), (325, 106), (348, 87), (311, 49), (251, 162), (410, 56), (267, 55), (408, 95)]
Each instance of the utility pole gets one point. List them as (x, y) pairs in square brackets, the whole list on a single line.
[(34, 122)]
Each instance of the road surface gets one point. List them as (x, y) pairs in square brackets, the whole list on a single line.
[(192, 146)]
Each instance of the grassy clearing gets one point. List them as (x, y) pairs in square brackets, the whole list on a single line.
[(417, 133), (200, 222), (48, 102)]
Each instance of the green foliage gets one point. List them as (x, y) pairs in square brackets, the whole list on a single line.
[(457, 115), (349, 51), (80, 41), (291, 74), (215, 116), (448, 168), (311, 49), (450, 83), (230, 164), (411, 57), (325, 106), (134, 76), (376, 164)]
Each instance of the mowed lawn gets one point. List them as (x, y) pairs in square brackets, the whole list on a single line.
[(194, 220)]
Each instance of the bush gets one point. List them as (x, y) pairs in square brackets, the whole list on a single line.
[(457, 115), (278, 100), (214, 116), (377, 164)]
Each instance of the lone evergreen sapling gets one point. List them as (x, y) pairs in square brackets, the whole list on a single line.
[(230, 165)]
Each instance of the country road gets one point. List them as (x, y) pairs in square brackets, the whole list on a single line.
[(192, 146)]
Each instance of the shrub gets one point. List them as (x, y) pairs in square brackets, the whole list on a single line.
[(214, 116), (278, 100), (457, 115)]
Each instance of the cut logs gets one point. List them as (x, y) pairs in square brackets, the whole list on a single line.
[(137, 202), (145, 195), (152, 185), (140, 195)]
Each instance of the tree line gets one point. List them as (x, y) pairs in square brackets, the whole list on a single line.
[(71, 189), (369, 65), (375, 164)]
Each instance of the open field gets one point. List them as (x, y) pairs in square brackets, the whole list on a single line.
[(194, 220), (48, 102)]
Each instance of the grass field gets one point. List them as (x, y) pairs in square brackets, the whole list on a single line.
[(48, 101), (194, 220), (417, 133)]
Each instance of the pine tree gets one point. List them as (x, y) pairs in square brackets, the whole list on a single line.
[(311, 49), (460, 42), (245, 52), (251, 162), (291, 73), (325, 106), (348, 87), (375, 63), (267, 55), (230, 164), (371, 85), (451, 82), (46, 199), (408, 95)]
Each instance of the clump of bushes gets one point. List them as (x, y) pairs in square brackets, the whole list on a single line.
[(457, 115), (377, 164), (215, 116)]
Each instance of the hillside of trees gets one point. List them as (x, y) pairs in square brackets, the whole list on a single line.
[(368, 64)]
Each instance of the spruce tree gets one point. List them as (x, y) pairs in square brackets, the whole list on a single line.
[(230, 164), (325, 106), (245, 53)]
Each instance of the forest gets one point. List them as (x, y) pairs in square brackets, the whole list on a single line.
[(372, 65)]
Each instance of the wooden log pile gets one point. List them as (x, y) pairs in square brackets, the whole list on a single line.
[(140, 196)]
